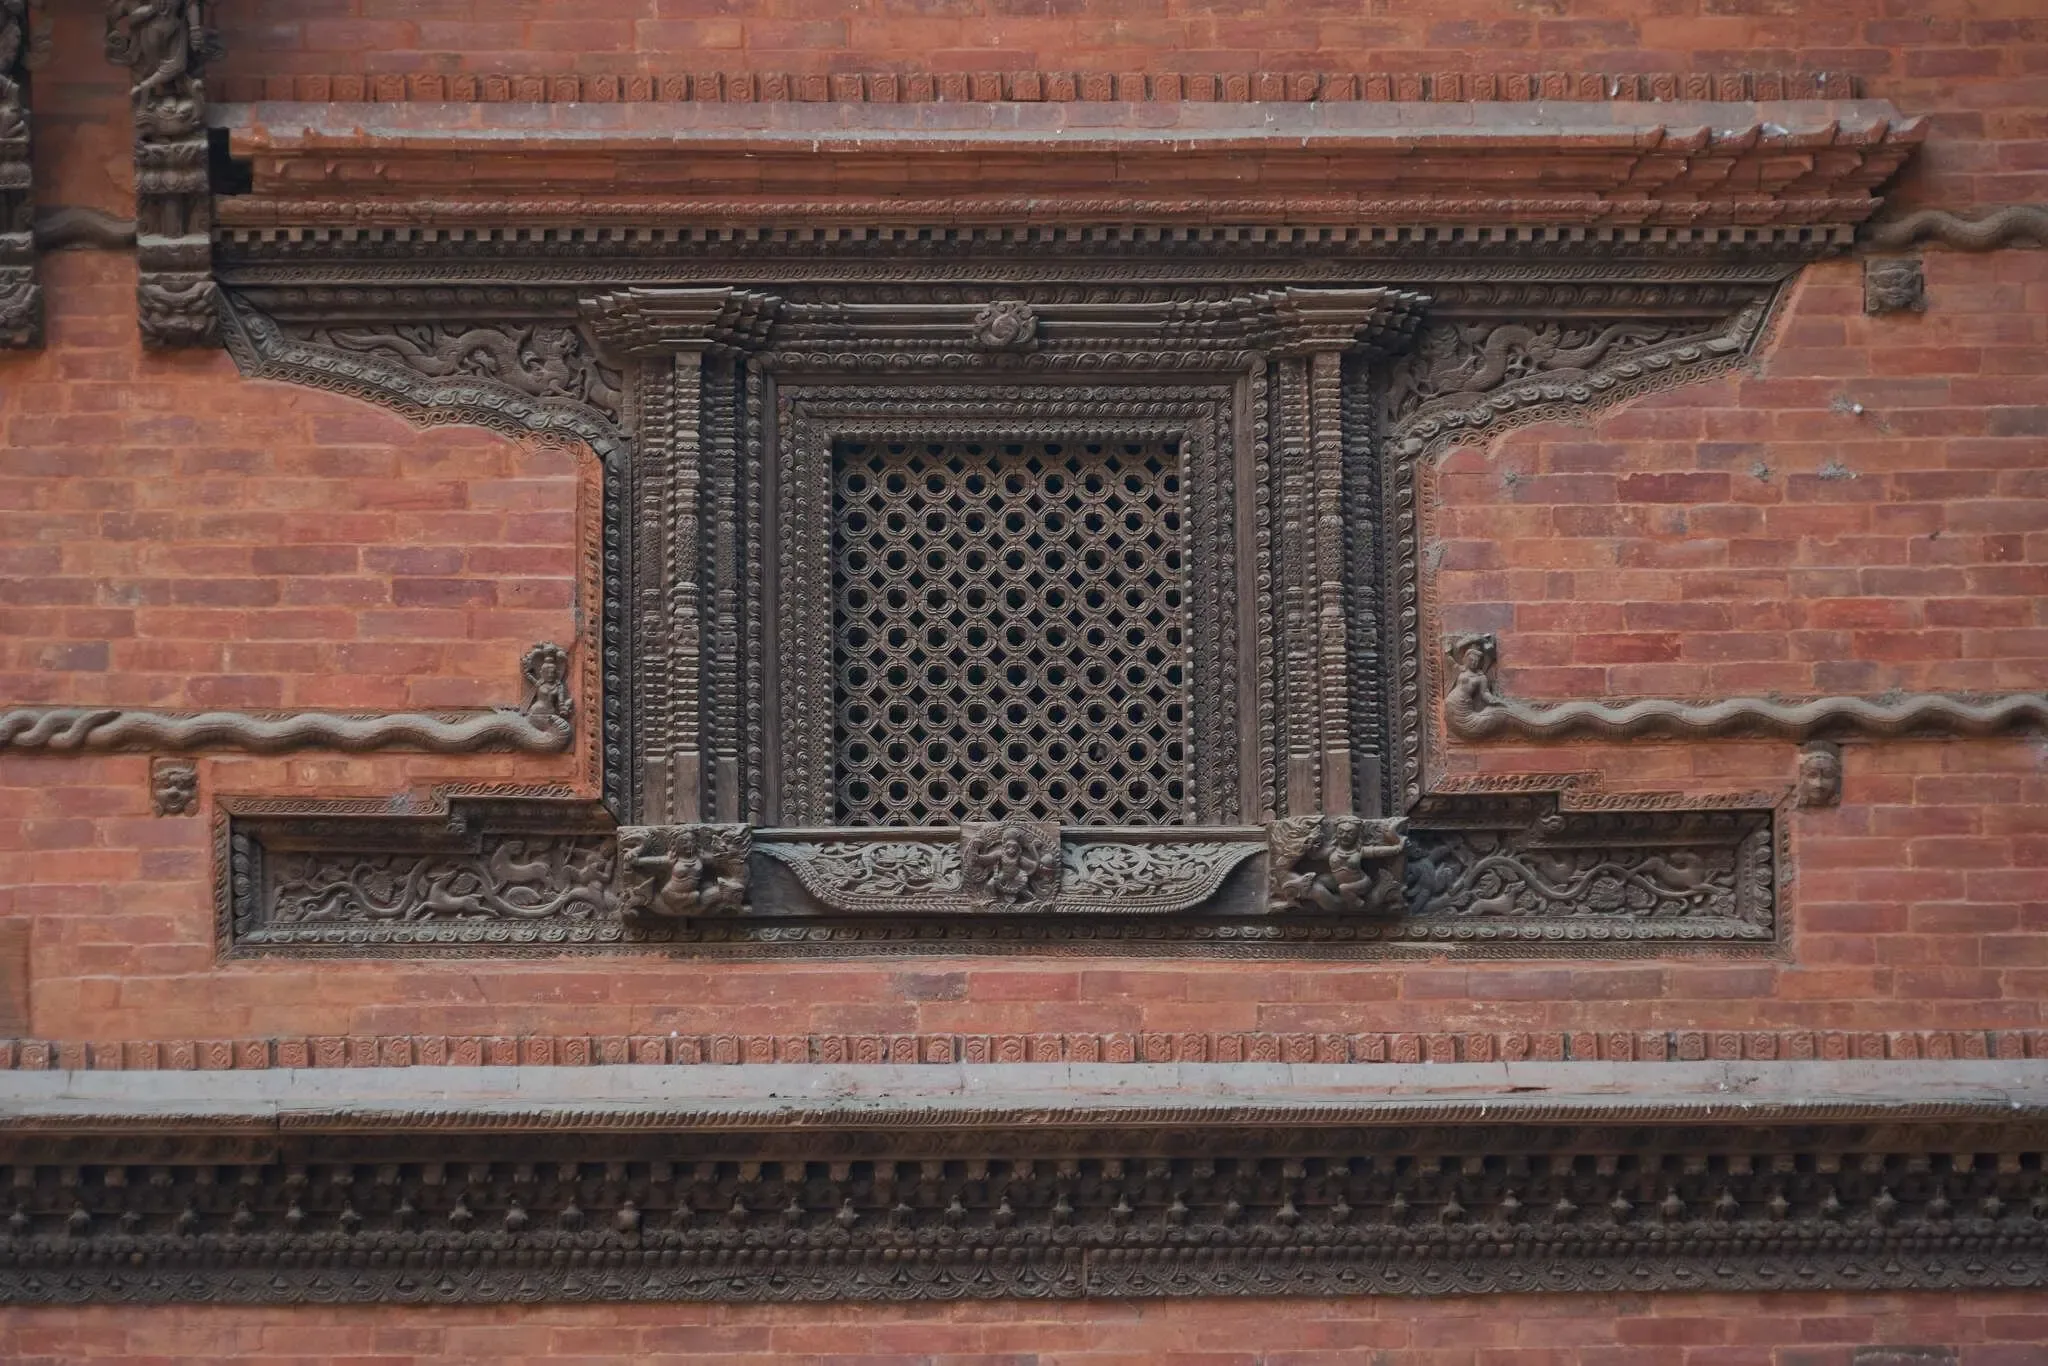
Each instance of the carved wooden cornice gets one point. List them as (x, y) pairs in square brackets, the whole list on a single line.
[(21, 297), (165, 44), (1813, 164), (948, 1183), (541, 724), (1474, 709)]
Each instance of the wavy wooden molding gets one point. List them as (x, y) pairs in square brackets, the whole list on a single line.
[(59, 226), (539, 725), (2013, 225), (1474, 709)]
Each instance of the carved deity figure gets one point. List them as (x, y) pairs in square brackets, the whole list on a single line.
[(546, 667), (1472, 689), (1820, 774), (174, 787), (164, 43), (1339, 865), (679, 872), (1011, 862)]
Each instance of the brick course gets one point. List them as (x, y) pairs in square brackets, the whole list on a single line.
[(1524, 1330)]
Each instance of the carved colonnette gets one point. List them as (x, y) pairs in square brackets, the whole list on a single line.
[(166, 44), (21, 297), (436, 1204)]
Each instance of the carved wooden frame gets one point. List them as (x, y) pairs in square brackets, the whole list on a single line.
[(750, 358), (812, 421)]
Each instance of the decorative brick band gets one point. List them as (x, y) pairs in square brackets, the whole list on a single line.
[(1050, 86), (434, 1050)]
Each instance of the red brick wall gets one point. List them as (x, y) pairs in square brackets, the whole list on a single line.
[(173, 535), (1525, 1330), (1643, 540)]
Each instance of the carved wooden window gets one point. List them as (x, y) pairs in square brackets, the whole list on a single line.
[(1009, 633)]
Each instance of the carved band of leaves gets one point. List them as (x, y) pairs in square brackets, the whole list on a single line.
[(263, 351), (2011, 226), (1617, 373), (907, 876)]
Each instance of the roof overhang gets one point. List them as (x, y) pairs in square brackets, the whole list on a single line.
[(1798, 163)]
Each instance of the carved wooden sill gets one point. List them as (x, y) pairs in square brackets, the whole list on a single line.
[(1507, 873)]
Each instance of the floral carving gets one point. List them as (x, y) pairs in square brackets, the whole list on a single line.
[(1455, 359), (677, 872), (540, 360), (21, 297), (1485, 875), (508, 878)]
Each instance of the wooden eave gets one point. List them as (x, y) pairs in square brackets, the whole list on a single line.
[(1813, 163)]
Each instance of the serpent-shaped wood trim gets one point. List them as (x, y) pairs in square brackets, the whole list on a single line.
[(1475, 710)]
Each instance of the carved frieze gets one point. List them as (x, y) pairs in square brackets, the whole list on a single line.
[(166, 44), (1475, 709), (1471, 870), (540, 360), (438, 1206)]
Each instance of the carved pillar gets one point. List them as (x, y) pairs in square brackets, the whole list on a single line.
[(165, 44), (21, 298), (689, 342), (1318, 327)]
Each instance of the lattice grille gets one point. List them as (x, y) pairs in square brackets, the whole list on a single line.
[(1009, 634)]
